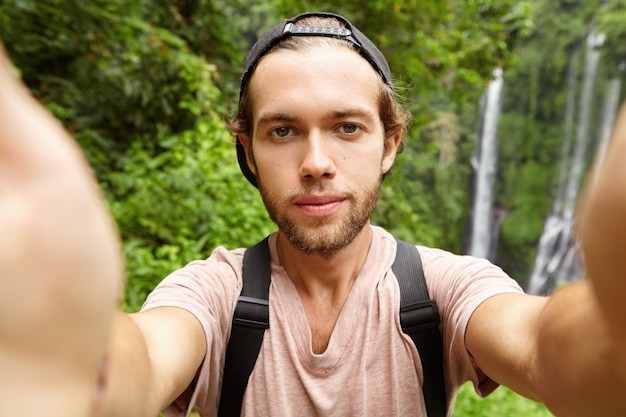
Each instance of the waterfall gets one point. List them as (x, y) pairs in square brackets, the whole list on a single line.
[(485, 163), (557, 258)]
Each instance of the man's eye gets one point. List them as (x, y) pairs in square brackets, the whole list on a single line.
[(349, 129), (281, 132)]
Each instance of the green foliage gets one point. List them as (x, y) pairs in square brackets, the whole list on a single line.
[(110, 76), (149, 116), (178, 206), (425, 200), (527, 187), (503, 402), (611, 22), (213, 29)]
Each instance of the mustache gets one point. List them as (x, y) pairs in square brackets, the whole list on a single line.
[(346, 191)]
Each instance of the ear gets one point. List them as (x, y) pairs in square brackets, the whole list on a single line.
[(245, 141), (392, 142)]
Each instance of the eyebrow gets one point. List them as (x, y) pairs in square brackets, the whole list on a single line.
[(277, 117), (333, 115), (350, 112)]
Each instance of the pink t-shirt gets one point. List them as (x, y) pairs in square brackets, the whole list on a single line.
[(370, 367)]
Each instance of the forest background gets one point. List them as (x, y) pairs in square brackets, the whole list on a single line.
[(144, 87)]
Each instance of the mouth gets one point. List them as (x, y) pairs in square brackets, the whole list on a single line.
[(319, 205)]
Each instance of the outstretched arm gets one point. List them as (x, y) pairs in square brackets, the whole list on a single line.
[(64, 349), (569, 350), (603, 230), (60, 265)]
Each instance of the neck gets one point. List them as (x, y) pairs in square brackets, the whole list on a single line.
[(314, 273), (324, 282)]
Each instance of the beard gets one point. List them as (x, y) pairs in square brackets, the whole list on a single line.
[(325, 236)]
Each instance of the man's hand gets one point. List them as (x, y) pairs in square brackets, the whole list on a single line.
[(61, 269)]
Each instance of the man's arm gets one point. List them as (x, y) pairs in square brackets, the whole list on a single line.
[(603, 229), (569, 350), (152, 358), (55, 302), (62, 341)]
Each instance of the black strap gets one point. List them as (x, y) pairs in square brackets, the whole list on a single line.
[(250, 320), (419, 318)]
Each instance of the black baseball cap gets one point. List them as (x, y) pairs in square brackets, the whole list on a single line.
[(288, 28)]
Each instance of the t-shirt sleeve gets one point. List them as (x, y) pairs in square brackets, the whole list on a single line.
[(459, 284), (208, 289)]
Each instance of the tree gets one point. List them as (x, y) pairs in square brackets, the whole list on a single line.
[(149, 115)]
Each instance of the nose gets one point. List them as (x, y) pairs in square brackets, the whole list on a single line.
[(317, 161)]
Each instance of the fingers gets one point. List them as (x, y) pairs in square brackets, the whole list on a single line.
[(58, 243), (32, 142)]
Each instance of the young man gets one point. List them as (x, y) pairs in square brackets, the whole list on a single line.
[(318, 128)]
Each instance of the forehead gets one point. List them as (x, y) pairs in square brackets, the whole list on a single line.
[(317, 76)]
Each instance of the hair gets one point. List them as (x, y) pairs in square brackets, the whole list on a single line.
[(393, 116)]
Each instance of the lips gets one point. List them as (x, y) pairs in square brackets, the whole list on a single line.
[(319, 205)]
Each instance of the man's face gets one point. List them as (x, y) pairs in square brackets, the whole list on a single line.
[(318, 147)]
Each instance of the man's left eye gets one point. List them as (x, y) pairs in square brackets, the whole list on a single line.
[(349, 128)]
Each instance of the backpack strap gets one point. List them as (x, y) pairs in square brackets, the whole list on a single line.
[(251, 318), (419, 318)]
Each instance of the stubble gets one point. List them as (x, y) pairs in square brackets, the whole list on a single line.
[(324, 236)]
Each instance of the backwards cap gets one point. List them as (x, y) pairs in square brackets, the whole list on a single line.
[(289, 28)]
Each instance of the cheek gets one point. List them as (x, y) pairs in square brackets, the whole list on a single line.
[(363, 165), (271, 169)]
